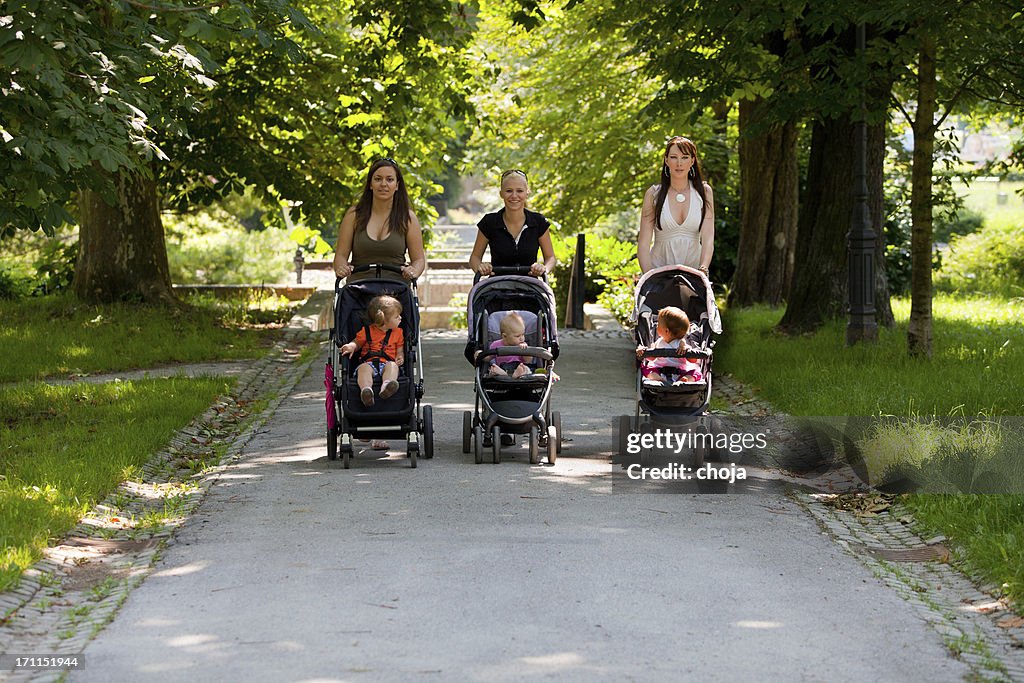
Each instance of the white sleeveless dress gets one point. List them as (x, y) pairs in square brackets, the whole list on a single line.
[(677, 244)]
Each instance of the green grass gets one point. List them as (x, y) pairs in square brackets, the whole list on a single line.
[(57, 336), (64, 448), (977, 365), (982, 197), (977, 368), (988, 530)]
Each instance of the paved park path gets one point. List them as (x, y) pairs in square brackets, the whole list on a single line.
[(294, 569)]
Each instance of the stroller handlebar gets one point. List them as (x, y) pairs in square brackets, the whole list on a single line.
[(509, 270), (378, 267), (694, 354), (532, 351)]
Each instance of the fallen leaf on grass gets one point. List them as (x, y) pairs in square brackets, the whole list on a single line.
[(1010, 622)]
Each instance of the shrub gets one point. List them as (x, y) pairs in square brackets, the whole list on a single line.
[(55, 267), (963, 222), (989, 261), (457, 320), (13, 287), (212, 247), (609, 267)]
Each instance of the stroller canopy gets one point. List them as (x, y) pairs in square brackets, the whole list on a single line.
[(505, 293), (680, 286)]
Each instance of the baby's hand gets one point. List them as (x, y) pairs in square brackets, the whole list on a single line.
[(523, 345), (348, 349)]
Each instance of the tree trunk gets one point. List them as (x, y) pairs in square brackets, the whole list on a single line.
[(768, 214), (818, 291), (122, 255), (715, 152), (919, 331)]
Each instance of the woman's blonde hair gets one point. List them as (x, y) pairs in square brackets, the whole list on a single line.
[(506, 322), (381, 307)]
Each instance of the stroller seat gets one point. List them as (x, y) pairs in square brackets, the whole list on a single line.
[(532, 337)]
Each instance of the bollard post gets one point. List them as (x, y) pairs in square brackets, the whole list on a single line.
[(574, 317), (299, 262)]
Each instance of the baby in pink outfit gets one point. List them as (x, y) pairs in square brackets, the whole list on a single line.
[(513, 333), (673, 324)]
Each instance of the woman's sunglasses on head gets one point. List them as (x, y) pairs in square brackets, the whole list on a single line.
[(505, 174)]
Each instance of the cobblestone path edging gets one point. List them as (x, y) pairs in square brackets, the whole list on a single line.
[(66, 598)]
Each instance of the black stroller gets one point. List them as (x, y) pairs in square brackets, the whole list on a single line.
[(506, 405), (399, 416), (680, 403)]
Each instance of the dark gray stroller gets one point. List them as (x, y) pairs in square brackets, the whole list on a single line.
[(505, 405), (401, 415)]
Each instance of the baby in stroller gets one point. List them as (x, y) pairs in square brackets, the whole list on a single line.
[(673, 326), (382, 348), (380, 318), (513, 333)]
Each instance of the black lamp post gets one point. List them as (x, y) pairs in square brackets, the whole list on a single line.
[(860, 239)]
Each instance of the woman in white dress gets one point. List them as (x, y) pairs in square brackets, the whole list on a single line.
[(678, 215)]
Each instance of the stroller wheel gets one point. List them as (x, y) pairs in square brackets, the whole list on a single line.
[(496, 445), (552, 445), (556, 420), (625, 427), (467, 431), (534, 446), (412, 451), (428, 432), (346, 455), (478, 444), (332, 445)]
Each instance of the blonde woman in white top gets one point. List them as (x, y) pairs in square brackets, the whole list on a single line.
[(677, 223)]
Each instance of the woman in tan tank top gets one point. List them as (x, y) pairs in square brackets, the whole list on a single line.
[(380, 228)]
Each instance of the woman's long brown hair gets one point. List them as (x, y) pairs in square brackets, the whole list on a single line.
[(398, 220), (696, 178)]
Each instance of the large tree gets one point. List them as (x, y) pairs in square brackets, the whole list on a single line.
[(839, 83), (223, 95), (958, 55), (783, 63)]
